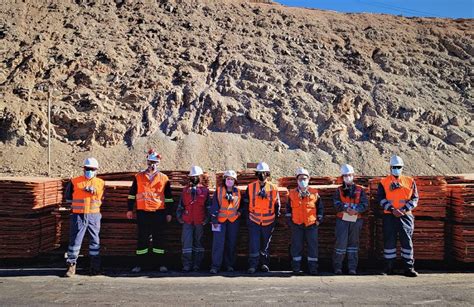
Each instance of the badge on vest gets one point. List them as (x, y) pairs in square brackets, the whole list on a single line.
[(350, 218)]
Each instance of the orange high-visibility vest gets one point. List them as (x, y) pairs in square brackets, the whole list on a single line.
[(262, 210), (84, 202), (228, 210), (303, 209), (348, 200), (398, 197), (151, 194)]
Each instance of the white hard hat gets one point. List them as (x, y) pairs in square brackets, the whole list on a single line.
[(396, 161), (302, 171), (91, 162), (346, 169), (230, 173), (195, 171), (263, 167), (153, 156)]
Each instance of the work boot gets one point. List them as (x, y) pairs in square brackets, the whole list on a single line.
[(196, 269), (213, 271), (389, 269), (94, 268), (265, 268), (251, 270), (163, 269), (230, 269), (352, 272), (338, 272), (71, 270), (313, 267), (411, 273), (296, 267)]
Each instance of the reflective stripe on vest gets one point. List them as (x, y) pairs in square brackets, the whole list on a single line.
[(84, 202), (151, 194), (228, 210), (257, 207), (349, 200), (399, 196), (303, 209)]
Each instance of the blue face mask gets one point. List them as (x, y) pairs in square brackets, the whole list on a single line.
[(89, 174), (396, 171), (303, 183)]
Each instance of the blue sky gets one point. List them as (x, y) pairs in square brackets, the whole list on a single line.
[(424, 8)]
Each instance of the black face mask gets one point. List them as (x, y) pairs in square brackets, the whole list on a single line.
[(262, 176), (194, 180)]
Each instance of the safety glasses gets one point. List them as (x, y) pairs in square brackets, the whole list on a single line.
[(397, 167)]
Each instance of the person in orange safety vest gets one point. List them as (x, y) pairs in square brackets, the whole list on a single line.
[(262, 207), (85, 194), (398, 197), (304, 213), (151, 195)]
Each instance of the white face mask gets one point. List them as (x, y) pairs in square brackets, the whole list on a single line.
[(348, 179)]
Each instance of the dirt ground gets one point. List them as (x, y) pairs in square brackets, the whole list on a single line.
[(43, 287)]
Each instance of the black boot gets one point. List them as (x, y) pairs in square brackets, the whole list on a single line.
[(389, 268), (95, 266), (410, 272)]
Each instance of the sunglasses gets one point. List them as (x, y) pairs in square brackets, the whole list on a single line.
[(397, 167), (89, 169)]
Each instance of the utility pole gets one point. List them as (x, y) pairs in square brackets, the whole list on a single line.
[(49, 131)]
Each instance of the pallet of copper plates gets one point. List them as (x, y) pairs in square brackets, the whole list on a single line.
[(428, 240), (432, 191), (25, 237), (463, 242), (461, 202), (63, 216), (27, 195), (114, 204), (460, 179)]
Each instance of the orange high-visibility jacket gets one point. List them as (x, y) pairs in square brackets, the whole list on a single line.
[(304, 209), (228, 210), (84, 202), (349, 200), (262, 210), (400, 196), (151, 194)]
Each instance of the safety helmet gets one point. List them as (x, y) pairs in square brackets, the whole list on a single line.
[(230, 173), (195, 171), (396, 161), (263, 167), (91, 162), (301, 171), (346, 169), (152, 155)]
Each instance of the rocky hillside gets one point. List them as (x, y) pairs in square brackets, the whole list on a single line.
[(288, 85)]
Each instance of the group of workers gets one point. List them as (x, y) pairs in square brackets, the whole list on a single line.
[(259, 206)]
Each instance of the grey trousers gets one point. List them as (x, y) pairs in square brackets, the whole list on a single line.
[(347, 241), (193, 251)]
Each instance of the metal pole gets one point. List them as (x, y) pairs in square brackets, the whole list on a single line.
[(49, 133)]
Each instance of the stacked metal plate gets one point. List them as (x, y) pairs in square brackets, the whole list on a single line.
[(27, 225)]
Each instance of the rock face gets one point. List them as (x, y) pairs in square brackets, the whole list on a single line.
[(293, 78)]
